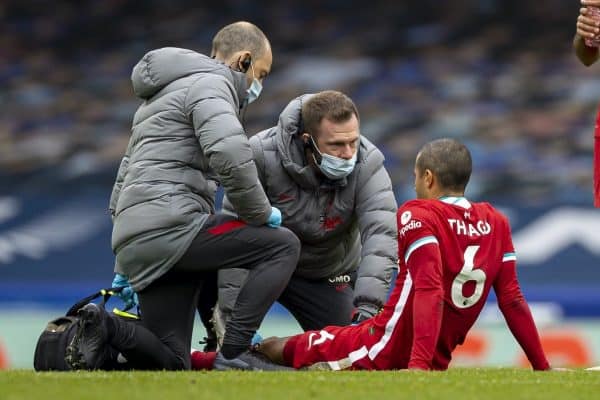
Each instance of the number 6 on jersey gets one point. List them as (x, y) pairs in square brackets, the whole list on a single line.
[(466, 274)]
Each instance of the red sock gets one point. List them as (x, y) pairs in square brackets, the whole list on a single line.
[(202, 360)]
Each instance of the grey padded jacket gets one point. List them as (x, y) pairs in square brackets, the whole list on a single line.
[(343, 225), (186, 137)]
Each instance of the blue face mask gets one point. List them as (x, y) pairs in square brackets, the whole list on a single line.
[(334, 167), (254, 89)]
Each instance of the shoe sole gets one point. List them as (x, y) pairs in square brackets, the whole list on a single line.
[(74, 357), (319, 366), (222, 364)]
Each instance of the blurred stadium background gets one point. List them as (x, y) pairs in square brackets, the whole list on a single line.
[(497, 74)]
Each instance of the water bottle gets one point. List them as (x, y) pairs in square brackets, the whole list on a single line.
[(594, 13)]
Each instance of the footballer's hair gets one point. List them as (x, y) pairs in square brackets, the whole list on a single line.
[(330, 104), (239, 36), (449, 160)]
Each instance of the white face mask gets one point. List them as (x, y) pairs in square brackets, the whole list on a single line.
[(334, 167), (254, 89)]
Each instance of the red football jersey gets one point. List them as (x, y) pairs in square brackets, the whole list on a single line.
[(451, 253), (597, 160)]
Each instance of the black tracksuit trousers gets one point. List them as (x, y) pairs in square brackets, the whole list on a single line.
[(168, 305)]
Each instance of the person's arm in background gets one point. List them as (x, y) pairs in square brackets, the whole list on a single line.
[(587, 27), (210, 106), (376, 213)]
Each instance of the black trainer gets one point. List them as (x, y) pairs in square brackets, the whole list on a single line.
[(89, 347), (247, 361)]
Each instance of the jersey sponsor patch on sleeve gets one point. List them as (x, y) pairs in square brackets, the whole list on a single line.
[(408, 223), (413, 224)]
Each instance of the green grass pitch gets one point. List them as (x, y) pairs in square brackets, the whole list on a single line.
[(458, 383)]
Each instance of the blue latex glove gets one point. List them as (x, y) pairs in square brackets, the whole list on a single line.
[(274, 220), (129, 297), (256, 339)]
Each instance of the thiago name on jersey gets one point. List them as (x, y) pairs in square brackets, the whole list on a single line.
[(480, 228)]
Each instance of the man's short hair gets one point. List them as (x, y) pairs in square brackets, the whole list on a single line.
[(240, 36), (449, 160), (330, 104)]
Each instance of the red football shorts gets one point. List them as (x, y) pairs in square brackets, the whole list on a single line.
[(366, 346)]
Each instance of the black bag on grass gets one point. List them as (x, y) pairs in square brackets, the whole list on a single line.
[(51, 346)]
